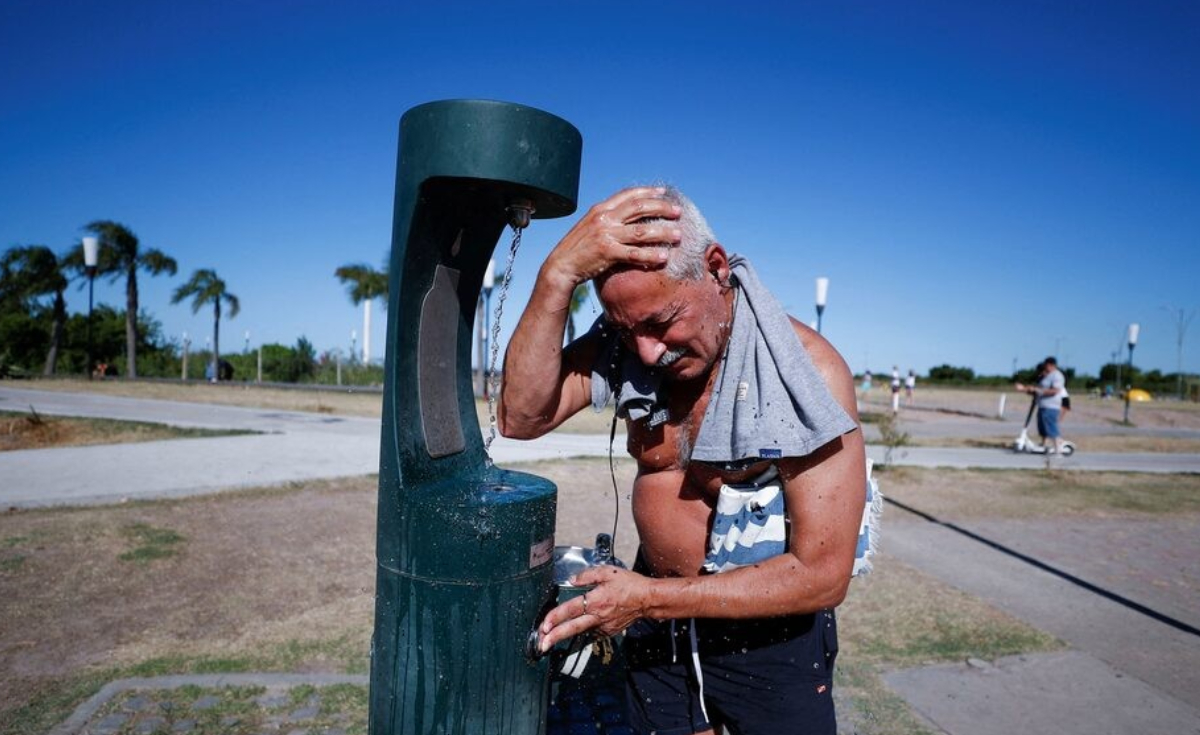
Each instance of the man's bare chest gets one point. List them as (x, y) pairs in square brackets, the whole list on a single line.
[(662, 446)]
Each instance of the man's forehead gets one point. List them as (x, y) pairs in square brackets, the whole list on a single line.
[(636, 295)]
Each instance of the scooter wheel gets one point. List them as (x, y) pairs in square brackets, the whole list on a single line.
[(1068, 450)]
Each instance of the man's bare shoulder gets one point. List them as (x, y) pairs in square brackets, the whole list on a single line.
[(830, 364)]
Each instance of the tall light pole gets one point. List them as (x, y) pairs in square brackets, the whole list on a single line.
[(1183, 318), (822, 293), (91, 256), (353, 345), (1131, 338)]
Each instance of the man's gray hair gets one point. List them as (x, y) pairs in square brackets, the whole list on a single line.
[(686, 261)]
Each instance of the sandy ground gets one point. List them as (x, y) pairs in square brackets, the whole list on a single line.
[(254, 567)]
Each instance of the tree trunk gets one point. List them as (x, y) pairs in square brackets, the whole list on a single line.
[(367, 331), (131, 310), (60, 317), (216, 359)]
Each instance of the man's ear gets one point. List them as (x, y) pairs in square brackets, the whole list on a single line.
[(717, 263)]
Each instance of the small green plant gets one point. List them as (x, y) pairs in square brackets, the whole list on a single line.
[(12, 563), (892, 436), (150, 543)]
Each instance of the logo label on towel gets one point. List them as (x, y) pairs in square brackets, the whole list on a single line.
[(659, 417), (770, 453), (743, 391)]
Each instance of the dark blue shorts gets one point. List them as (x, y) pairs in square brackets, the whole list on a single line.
[(768, 675), (1048, 423)]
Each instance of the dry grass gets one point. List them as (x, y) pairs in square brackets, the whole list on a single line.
[(897, 617), (283, 579), (1017, 494), (35, 431), (348, 402)]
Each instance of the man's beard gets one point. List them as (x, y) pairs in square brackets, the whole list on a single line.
[(669, 357)]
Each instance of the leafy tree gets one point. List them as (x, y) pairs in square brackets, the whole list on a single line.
[(304, 361), (364, 284), (579, 297), (120, 255), (205, 288), (28, 273), (950, 373)]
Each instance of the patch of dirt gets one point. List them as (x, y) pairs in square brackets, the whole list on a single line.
[(35, 431), (252, 568), (246, 560), (968, 495)]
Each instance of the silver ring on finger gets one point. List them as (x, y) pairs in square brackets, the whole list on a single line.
[(585, 604)]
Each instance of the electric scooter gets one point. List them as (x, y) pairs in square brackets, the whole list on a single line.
[(1025, 444)]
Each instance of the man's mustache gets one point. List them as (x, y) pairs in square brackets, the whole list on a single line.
[(669, 357)]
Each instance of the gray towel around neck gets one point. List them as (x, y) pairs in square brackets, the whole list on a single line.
[(768, 402)]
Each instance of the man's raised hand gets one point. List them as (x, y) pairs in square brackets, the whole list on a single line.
[(614, 233)]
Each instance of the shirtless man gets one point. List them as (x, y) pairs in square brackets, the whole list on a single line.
[(753, 647)]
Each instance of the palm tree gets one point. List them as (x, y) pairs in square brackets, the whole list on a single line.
[(122, 255), (30, 272), (204, 287), (579, 297), (364, 284)]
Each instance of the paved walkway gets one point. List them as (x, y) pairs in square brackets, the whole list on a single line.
[(297, 446), (294, 446), (1110, 639), (149, 704)]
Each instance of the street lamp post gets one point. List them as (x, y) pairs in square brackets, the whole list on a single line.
[(91, 256), (822, 293), (187, 343), (1132, 339)]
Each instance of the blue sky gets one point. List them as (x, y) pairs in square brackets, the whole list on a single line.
[(982, 183)]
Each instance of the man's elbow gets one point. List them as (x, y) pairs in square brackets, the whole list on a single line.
[(515, 427), (836, 593), (827, 589)]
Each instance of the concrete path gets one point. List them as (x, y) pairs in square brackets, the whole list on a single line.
[(297, 446), (1003, 459), (294, 447), (1110, 638), (1067, 693), (272, 682)]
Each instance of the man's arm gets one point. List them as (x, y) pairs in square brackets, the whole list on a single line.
[(825, 494), (544, 384)]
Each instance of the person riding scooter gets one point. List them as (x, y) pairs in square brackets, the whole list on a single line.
[(1049, 392)]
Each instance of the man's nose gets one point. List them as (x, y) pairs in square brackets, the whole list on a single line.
[(649, 349)]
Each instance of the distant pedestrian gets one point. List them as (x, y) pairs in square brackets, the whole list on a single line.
[(895, 389), (866, 384), (910, 384), (1049, 391)]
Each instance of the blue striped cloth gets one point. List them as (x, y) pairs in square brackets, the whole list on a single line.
[(751, 524)]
